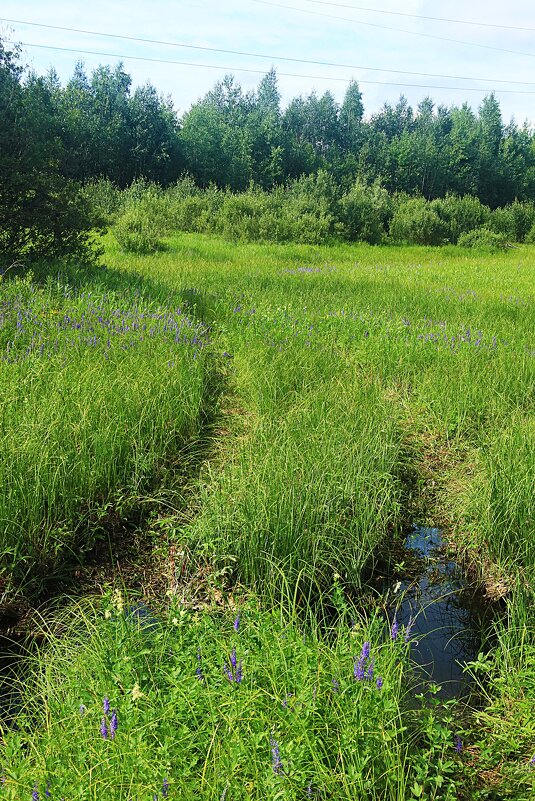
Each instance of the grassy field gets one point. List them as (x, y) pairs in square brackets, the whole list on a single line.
[(358, 387)]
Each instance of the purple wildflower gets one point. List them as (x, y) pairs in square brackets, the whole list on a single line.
[(106, 705), (285, 700), (358, 667), (309, 790), (236, 623), (104, 729), (48, 794), (114, 723), (408, 629), (233, 660), (276, 762), (198, 672), (379, 683), (395, 629), (82, 709), (335, 685), (165, 788), (239, 674), (458, 744), (35, 794), (532, 760), (369, 671)]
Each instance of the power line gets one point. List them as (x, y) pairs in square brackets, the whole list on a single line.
[(390, 28), (422, 16), (121, 56), (265, 55)]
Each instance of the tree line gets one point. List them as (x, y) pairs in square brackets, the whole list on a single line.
[(54, 138)]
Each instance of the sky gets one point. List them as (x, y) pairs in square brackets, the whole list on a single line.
[(373, 47)]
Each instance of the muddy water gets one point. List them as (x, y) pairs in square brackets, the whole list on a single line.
[(446, 611)]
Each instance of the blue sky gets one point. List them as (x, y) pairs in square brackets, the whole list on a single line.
[(332, 31)]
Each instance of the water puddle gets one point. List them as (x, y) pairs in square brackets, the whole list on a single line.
[(446, 613)]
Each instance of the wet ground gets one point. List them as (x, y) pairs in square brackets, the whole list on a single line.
[(446, 612)]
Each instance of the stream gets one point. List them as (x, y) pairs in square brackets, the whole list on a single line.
[(447, 613)]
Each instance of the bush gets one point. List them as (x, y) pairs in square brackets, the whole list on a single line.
[(460, 214), (105, 200), (483, 238), (530, 236), (416, 222), (363, 213), (143, 223), (513, 221)]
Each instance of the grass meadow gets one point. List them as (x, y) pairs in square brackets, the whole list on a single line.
[(358, 387)]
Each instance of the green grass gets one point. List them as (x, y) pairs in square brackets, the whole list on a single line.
[(291, 721), (344, 368), (96, 387)]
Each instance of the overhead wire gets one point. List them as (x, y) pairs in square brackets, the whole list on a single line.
[(270, 56), (390, 28), (263, 72), (422, 16)]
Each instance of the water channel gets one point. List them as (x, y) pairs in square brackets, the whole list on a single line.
[(445, 610)]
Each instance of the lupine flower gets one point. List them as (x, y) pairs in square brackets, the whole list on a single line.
[(276, 762), (165, 788), (237, 623), (48, 794), (233, 660), (395, 628), (106, 705), (369, 671), (379, 682), (104, 729), (239, 674), (458, 744), (358, 667), (114, 723), (35, 794)]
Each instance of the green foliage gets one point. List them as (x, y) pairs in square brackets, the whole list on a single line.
[(417, 222), (95, 388), (461, 214), (144, 221), (514, 221), (530, 236), (364, 211), (484, 239), (288, 728), (42, 213)]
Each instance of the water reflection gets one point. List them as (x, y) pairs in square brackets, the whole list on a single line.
[(443, 611)]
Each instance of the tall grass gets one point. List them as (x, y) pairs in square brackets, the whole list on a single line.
[(95, 389), (243, 705)]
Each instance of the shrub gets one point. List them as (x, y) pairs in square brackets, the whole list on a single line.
[(143, 223), (363, 212), (483, 238), (513, 221), (416, 222), (460, 214), (105, 200), (530, 236)]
